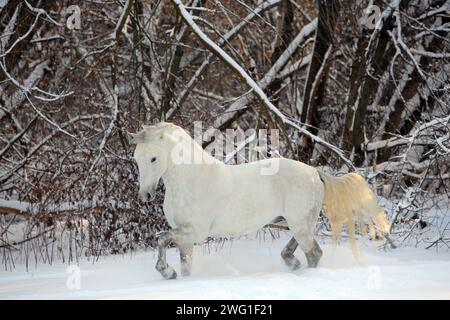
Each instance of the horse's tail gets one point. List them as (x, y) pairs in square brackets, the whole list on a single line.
[(349, 200)]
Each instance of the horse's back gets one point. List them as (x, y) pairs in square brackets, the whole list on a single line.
[(277, 169)]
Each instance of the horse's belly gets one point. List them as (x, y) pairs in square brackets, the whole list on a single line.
[(222, 229), (242, 218)]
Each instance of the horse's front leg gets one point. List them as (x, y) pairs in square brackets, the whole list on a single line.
[(164, 239), (182, 237), (186, 251)]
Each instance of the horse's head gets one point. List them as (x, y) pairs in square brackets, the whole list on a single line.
[(151, 155)]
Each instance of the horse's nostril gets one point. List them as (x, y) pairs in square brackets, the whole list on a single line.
[(143, 196)]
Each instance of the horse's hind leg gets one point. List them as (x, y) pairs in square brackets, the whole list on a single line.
[(288, 255), (304, 234), (311, 249), (164, 239), (313, 256)]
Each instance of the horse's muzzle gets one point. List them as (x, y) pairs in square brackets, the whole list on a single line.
[(147, 195), (144, 196)]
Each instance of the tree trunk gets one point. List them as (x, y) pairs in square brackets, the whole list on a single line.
[(393, 125), (314, 87), (363, 86)]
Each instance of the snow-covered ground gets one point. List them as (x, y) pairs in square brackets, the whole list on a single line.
[(243, 269)]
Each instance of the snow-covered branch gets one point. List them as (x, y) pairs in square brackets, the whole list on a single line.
[(225, 57), (273, 74), (114, 94), (8, 174), (398, 141), (224, 39), (269, 77)]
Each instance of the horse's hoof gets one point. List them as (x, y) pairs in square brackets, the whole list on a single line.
[(292, 263), (295, 265), (169, 273)]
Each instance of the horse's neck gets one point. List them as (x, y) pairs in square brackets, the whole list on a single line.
[(197, 156)]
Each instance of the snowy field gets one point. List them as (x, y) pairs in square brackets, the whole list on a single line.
[(243, 269)]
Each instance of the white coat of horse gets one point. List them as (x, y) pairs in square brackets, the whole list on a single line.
[(205, 197)]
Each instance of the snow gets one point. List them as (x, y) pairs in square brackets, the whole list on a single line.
[(15, 205), (34, 208), (249, 268)]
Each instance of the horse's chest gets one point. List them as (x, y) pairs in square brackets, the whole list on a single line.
[(179, 207)]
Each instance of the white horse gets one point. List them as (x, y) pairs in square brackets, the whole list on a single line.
[(209, 198)]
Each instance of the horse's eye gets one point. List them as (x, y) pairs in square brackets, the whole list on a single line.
[(153, 159)]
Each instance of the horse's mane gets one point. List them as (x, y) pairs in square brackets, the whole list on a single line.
[(171, 129)]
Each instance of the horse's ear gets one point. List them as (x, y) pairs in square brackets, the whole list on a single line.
[(136, 138), (161, 124), (155, 131)]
